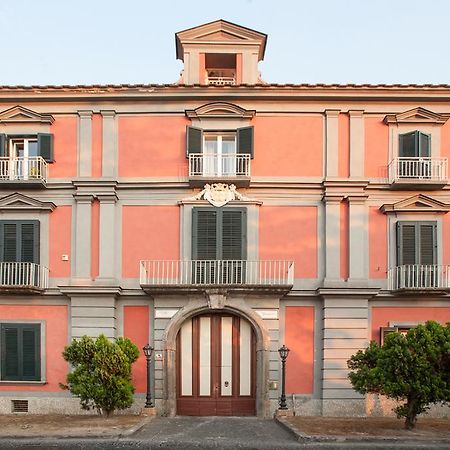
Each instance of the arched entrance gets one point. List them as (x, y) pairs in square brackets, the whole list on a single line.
[(220, 304), (216, 366)]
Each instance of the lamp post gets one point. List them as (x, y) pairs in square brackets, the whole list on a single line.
[(148, 350), (283, 352)]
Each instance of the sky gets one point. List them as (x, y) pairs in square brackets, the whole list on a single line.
[(45, 42)]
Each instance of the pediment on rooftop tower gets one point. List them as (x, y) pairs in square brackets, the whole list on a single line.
[(217, 32)]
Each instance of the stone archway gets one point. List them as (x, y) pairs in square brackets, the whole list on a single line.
[(216, 301)]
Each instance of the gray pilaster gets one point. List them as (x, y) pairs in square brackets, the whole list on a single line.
[(107, 256), (85, 143), (345, 331), (358, 240), (356, 143), (332, 142), (109, 139), (332, 239), (83, 217)]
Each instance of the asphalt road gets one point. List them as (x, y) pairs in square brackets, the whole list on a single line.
[(208, 433)]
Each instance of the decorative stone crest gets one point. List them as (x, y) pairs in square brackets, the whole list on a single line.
[(219, 194)]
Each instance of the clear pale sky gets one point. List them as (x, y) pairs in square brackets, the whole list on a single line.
[(316, 41)]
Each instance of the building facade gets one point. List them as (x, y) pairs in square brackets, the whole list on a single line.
[(218, 218)]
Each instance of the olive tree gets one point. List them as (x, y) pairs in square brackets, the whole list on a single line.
[(101, 375), (411, 368)]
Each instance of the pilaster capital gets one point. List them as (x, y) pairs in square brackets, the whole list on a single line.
[(108, 113), (358, 199), (332, 199), (356, 113), (107, 198), (85, 114), (332, 112), (83, 197)]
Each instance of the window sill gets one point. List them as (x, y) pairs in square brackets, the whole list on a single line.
[(22, 383)]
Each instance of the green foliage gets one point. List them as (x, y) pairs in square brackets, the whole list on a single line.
[(413, 369), (102, 372)]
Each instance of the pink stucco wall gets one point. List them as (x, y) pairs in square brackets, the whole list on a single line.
[(65, 134), (378, 255), (288, 146), (55, 318), (290, 233), (149, 233), (376, 135), (136, 328), (299, 338), (381, 316), (152, 146), (60, 233), (344, 145)]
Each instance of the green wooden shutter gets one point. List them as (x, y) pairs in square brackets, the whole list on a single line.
[(10, 352), (31, 354), (408, 145), (406, 243), (233, 234), (245, 141), (3, 145), (45, 146), (424, 145), (427, 238), (204, 238), (194, 140), (29, 240), (9, 243)]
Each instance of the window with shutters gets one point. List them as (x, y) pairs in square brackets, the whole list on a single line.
[(20, 345), (219, 245), (414, 144), (25, 157), (219, 153)]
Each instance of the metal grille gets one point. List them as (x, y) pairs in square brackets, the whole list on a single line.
[(19, 406)]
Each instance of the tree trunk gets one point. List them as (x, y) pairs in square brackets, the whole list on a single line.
[(411, 413)]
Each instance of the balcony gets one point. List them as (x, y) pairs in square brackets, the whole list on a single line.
[(421, 171), (198, 275), (419, 277), (23, 277), (19, 171), (227, 168)]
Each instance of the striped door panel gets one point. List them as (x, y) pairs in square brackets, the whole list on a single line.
[(216, 366)]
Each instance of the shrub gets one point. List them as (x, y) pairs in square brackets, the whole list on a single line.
[(101, 375), (413, 368)]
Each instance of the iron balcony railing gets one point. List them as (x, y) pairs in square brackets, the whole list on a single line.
[(22, 169), (420, 168), (211, 165), (419, 276), (217, 272), (23, 275), (221, 81)]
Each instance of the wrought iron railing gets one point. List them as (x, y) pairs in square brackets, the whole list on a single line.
[(23, 275), (418, 276), (231, 165), (22, 169), (420, 168), (217, 272)]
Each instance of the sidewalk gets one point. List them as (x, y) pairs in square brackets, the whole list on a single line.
[(365, 429), (55, 426)]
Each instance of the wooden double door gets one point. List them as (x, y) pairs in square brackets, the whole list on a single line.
[(216, 362)]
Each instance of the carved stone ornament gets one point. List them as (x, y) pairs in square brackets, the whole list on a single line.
[(219, 194)]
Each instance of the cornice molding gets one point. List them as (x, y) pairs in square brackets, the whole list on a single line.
[(416, 204), (20, 202)]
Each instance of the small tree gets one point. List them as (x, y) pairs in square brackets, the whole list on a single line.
[(102, 372), (413, 368)]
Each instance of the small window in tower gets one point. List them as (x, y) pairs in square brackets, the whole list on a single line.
[(220, 68)]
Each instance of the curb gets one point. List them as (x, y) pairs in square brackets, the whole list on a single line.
[(135, 428), (303, 437)]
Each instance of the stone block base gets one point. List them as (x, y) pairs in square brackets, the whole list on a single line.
[(149, 412), (284, 413)]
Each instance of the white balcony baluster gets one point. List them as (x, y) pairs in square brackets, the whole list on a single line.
[(221, 81), (23, 275), (216, 272), (212, 165), (420, 168), (23, 169), (418, 276)]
